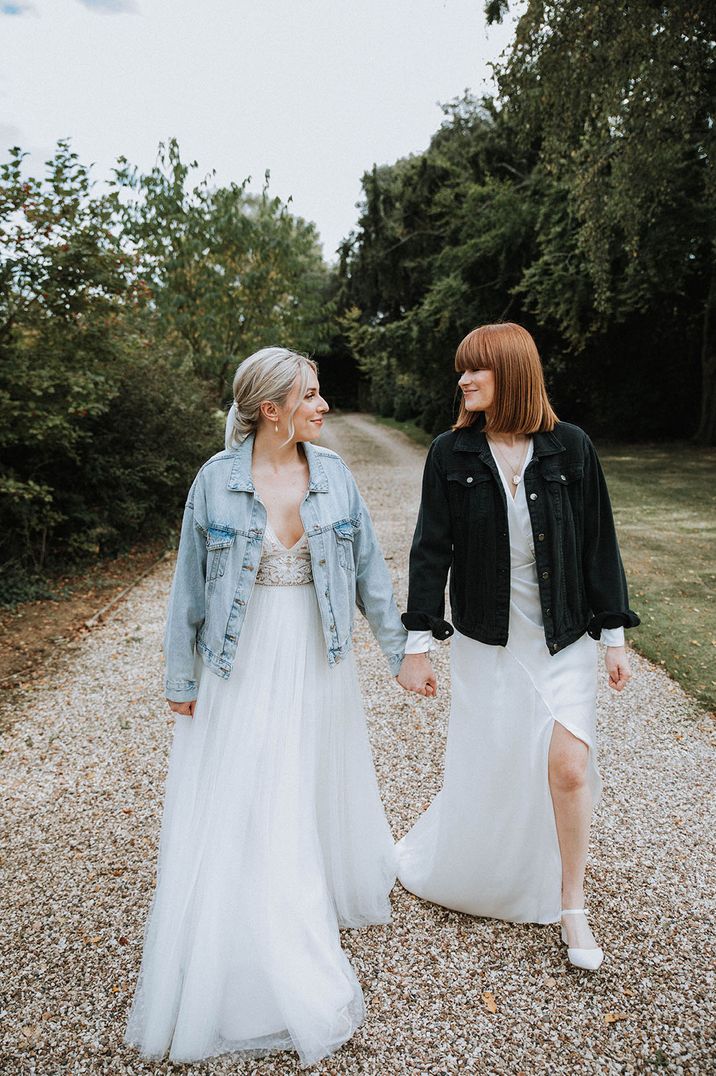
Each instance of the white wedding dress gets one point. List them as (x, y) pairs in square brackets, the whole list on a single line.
[(273, 836), (487, 845)]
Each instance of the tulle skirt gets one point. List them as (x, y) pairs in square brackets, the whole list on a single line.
[(487, 845), (273, 836)]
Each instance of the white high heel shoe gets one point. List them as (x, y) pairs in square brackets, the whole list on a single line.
[(587, 959)]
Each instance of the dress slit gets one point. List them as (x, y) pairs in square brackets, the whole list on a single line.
[(487, 845)]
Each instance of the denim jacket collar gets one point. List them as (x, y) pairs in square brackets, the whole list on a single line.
[(473, 439), (241, 478)]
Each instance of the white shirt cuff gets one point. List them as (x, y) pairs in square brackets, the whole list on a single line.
[(419, 642), (612, 636)]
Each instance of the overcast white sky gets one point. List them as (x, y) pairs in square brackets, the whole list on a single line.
[(314, 90)]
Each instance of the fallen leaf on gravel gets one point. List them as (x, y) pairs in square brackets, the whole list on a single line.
[(628, 990), (612, 1017), (550, 981), (432, 1009), (490, 1003)]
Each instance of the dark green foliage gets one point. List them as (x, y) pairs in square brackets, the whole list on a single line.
[(441, 241), (228, 272), (121, 323), (579, 202)]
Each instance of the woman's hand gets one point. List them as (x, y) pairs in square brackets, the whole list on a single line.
[(185, 708), (416, 674), (618, 667)]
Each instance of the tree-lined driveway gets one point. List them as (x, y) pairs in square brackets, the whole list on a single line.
[(83, 769)]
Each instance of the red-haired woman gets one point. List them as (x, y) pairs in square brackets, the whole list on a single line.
[(515, 508)]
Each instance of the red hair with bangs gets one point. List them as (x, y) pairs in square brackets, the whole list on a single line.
[(521, 404)]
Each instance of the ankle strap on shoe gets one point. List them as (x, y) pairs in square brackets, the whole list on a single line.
[(573, 911)]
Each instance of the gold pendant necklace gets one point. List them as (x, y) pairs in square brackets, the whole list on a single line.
[(516, 477)]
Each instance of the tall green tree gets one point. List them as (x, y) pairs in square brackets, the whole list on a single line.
[(442, 242), (227, 271), (580, 202), (94, 403), (621, 99), (62, 274)]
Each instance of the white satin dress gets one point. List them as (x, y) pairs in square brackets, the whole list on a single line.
[(273, 836), (487, 845)]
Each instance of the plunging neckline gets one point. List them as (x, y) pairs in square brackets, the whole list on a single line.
[(285, 548), (528, 456)]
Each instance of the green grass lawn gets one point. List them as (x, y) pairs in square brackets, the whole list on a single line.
[(664, 499), (415, 433)]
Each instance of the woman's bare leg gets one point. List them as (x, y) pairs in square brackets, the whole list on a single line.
[(572, 802)]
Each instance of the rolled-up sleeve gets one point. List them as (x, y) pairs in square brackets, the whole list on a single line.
[(374, 590)]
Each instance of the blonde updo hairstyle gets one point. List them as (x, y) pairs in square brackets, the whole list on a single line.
[(266, 376)]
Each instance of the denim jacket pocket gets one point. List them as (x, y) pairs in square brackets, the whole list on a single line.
[(344, 532), (219, 540), (566, 496), (566, 476), (467, 492)]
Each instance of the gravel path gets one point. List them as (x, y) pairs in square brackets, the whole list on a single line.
[(82, 783)]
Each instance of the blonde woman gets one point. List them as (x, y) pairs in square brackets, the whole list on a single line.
[(273, 834), (516, 509)]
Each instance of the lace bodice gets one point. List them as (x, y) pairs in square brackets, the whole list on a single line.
[(281, 567)]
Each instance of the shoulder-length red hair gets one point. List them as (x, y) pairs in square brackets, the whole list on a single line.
[(521, 404)]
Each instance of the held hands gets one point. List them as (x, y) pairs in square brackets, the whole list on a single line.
[(416, 674), (185, 708), (618, 667)]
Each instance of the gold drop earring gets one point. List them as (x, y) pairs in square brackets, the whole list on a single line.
[(276, 427)]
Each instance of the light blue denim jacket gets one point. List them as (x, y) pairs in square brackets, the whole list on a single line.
[(219, 552)]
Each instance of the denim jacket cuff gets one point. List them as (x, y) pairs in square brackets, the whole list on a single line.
[(395, 661), (611, 619), (417, 621), (181, 690)]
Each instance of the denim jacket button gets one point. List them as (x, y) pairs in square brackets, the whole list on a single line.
[(563, 477), (545, 575), (469, 479), (533, 496), (540, 537)]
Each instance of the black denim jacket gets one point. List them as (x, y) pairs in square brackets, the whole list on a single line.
[(462, 528)]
